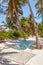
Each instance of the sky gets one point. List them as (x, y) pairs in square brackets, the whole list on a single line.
[(26, 12)]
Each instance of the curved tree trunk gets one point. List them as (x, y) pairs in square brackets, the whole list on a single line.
[(38, 46), (19, 26), (18, 21)]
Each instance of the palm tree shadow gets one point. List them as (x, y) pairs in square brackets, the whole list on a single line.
[(7, 53), (6, 62)]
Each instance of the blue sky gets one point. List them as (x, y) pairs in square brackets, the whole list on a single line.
[(26, 12)]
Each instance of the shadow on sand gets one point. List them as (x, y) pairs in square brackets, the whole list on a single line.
[(4, 61)]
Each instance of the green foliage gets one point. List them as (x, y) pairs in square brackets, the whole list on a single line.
[(26, 35), (40, 29), (17, 34), (12, 34), (25, 25), (39, 7), (4, 35)]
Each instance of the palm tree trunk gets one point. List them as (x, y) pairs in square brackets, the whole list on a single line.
[(38, 46), (19, 26), (18, 22)]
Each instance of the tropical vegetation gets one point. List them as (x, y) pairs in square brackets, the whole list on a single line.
[(22, 27)]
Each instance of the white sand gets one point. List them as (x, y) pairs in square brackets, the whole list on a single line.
[(2, 45), (10, 50), (21, 57), (36, 51), (31, 38), (36, 60)]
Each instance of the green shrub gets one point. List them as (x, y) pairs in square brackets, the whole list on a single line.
[(26, 35), (17, 34)]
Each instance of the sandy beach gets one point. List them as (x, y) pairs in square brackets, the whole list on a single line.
[(28, 57), (10, 56)]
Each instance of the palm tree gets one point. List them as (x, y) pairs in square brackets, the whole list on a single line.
[(35, 26), (13, 14), (25, 25), (14, 10), (30, 21), (9, 25), (39, 6)]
